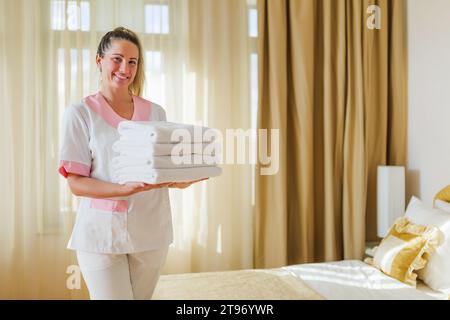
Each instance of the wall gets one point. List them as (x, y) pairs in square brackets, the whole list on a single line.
[(429, 98)]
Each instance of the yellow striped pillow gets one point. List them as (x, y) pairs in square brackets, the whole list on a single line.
[(405, 249), (443, 194)]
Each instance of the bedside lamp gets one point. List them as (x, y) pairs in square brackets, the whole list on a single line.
[(390, 197)]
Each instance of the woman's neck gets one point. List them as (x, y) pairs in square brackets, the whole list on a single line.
[(116, 96)]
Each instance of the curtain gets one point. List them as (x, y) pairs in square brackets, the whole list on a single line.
[(336, 89), (197, 55)]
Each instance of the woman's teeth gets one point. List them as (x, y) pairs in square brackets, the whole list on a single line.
[(121, 77)]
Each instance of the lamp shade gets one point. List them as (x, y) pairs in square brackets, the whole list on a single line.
[(390, 197)]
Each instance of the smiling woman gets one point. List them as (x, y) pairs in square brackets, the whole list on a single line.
[(197, 56), (123, 231)]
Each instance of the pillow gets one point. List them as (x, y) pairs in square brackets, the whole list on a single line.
[(443, 205), (443, 194), (436, 273), (402, 251)]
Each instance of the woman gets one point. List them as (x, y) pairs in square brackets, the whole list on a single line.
[(122, 232)]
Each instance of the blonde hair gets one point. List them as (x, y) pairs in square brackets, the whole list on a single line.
[(121, 33)]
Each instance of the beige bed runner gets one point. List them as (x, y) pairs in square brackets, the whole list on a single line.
[(258, 284)]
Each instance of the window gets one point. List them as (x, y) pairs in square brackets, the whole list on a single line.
[(253, 23), (76, 16), (253, 34), (155, 77), (156, 19)]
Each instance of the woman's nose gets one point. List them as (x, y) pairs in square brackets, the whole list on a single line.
[(124, 68)]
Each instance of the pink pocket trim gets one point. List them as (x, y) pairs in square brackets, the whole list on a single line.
[(109, 205)]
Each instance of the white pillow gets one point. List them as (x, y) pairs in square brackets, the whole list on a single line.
[(436, 273), (443, 205)]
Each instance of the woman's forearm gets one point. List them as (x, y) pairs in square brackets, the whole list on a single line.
[(93, 188)]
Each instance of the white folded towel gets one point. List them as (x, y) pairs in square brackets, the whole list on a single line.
[(131, 147), (166, 132), (164, 162), (154, 176)]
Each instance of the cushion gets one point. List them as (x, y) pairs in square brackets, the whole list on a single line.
[(443, 194), (436, 273), (443, 205), (403, 251)]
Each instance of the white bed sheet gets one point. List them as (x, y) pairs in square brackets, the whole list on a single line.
[(356, 280)]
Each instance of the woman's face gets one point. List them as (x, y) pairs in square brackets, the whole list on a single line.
[(119, 65)]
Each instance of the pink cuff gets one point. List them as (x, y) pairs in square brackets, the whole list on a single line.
[(66, 167)]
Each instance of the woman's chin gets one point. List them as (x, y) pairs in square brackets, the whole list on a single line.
[(120, 84)]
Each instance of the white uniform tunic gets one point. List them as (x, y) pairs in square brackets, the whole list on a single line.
[(131, 224)]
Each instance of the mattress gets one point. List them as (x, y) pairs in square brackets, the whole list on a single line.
[(356, 280), (340, 280)]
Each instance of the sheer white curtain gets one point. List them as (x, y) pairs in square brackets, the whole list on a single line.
[(200, 55)]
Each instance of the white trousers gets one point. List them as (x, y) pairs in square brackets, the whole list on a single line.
[(121, 276)]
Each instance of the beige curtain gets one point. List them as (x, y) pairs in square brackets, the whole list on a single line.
[(337, 91), (197, 67)]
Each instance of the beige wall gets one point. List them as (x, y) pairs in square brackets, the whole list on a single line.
[(429, 98)]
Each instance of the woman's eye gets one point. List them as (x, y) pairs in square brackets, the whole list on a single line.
[(117, 59), (133, 62)]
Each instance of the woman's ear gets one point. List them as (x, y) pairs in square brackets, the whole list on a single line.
[(98, 61)]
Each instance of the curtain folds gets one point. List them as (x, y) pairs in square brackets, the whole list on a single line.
[(337, 91)]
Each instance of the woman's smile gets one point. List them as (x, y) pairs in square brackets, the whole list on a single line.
[(121, 78)]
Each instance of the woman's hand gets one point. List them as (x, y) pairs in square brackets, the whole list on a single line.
[(134, 187), (183, 185)]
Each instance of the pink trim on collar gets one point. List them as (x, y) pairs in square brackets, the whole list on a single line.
[(100, 106), (142, 109)]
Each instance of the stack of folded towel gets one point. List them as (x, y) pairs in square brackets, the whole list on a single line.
[(158, 151)]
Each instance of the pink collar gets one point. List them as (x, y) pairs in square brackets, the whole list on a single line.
[(100, 106)]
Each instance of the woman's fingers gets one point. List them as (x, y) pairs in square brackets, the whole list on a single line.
[(155, 186), (183, 185), (135, 187)]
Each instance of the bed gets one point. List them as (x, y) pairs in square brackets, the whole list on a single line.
[(340, 280)]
